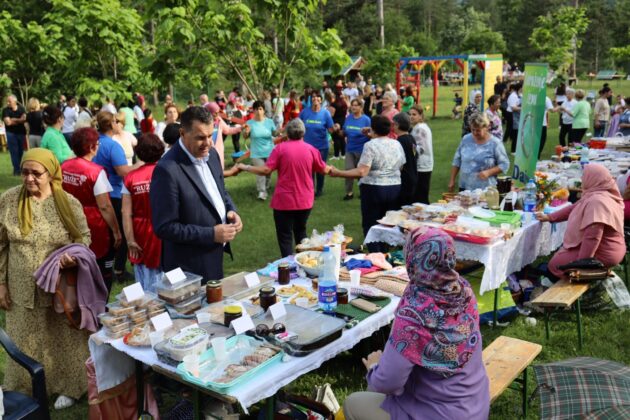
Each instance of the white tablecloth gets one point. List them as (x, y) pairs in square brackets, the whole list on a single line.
[(264, 386), (501, 258)]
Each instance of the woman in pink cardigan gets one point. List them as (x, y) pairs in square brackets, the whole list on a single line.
[(220, 129), (595, 221)]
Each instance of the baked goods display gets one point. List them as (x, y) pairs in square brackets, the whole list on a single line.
[(478, 235), (121, 318)]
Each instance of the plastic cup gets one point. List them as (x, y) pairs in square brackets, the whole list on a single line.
[(203, 318), (355, 278), (220, 351), (191, 364), (156, 337), (302, 302)]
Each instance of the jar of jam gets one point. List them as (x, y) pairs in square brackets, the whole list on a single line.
[(214, 291), (342, 296), (267, 297), (230, 313), (284, 274)]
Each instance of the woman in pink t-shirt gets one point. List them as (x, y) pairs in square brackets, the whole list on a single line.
[(293, 196)]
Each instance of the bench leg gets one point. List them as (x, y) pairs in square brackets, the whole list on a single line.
[(525, 393), (578, 315), (547, 315)]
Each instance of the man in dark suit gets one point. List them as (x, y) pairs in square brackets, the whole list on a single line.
[(192, 213)]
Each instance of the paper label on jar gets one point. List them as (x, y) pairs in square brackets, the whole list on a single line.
[(252, 279), (243, 324), (175, 276), (133, 292), (277, 310)]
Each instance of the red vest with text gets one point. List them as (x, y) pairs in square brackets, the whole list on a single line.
[(79, 178), (138, 182)]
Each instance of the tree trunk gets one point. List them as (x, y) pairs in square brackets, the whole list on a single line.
[(156, 99), (381, 22)]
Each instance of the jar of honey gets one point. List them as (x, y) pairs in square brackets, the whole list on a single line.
[(342, 296), (284, 274), (267, 297), (230, 313), (214, 291)]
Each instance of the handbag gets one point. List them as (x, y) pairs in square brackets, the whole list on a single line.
[(65, 299), (586, 270)]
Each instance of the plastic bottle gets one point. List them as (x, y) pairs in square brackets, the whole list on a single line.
[(327, 285), (584, 156), (529, 200)]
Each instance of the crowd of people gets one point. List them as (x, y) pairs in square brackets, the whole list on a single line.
[(114, 180)]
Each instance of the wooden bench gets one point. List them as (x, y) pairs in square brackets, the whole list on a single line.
[(562, 295), (505, 359)]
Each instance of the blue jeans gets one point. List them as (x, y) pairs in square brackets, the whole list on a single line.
[(16, 149), (319, 187), (68, 137), (147, 277), (601, 131)]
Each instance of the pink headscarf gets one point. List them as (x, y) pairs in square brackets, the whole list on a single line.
[(601, 202), (437, 323)]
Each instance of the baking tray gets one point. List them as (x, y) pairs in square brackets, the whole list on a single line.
[(314, 330), (235, 287), (207, 359)]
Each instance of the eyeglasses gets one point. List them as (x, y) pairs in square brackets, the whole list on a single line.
[(264, 330), (37, 175)]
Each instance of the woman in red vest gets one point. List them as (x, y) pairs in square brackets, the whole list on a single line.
[(88, 182), (144, 247)]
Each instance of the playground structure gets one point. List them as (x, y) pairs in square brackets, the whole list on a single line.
[(409, 71)]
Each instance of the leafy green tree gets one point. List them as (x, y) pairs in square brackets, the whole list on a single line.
[(102, 41), (381, 63), (558, 33), (29, 51)]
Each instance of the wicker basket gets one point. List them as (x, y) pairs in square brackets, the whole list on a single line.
[(301, 248)]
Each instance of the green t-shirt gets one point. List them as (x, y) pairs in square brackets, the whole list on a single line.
[(581, 115), (407, 103), (54, 141)]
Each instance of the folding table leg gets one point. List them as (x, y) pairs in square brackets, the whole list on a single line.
[(578, 315), (140, 387), (270, 407), (196, 405), (495, 315)]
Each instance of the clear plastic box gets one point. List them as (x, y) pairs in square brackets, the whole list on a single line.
[(108, 320), (188, 341), (116, 310), (188, 306), (176, 293)]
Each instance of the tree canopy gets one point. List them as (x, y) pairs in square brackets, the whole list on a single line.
[(114, 47)]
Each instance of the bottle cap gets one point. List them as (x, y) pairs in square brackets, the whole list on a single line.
[(326, 249)]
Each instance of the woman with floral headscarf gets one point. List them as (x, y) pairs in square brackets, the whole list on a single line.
[(598, 217), (36, 219), (431, 367)]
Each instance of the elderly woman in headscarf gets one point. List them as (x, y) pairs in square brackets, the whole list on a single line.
[(36, 219), (596, 221), (472, 108), (431, 367)]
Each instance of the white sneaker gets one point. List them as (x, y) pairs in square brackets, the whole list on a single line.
[(64, 402), (262, 196), (334, 158)]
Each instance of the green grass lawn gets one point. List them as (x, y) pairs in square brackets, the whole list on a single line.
[(607, 334)]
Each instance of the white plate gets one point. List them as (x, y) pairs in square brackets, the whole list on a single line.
[(481, 213)]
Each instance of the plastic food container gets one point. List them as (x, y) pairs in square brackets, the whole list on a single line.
[(188, 341), (108, 320), (156, 312), (117, 310), (176, 293), (188, 306), (119, 333), (138, 316)]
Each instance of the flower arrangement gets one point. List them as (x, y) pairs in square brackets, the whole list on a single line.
[(546, 190)]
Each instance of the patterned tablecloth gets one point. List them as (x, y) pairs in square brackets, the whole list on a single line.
[(501, 258)]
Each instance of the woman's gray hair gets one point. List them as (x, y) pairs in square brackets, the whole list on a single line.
[(391, 95), (570, 90), (479, 119), (295, 129)]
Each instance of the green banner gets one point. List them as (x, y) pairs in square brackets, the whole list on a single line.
[(531, 121)]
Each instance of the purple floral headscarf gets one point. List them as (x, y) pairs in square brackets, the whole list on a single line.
[(436, 325)]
